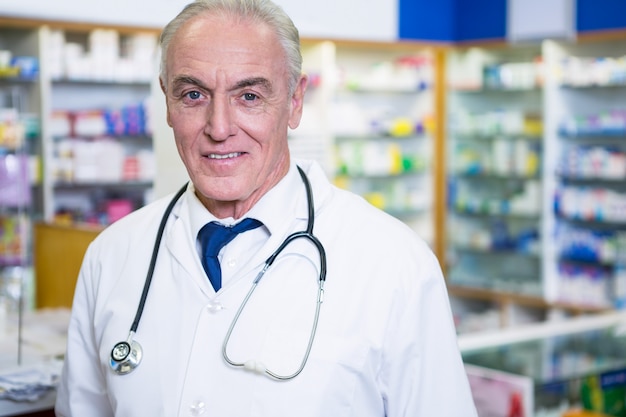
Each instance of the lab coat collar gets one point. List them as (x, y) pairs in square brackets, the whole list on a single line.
[(278, 219)]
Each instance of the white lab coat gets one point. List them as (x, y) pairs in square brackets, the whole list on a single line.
[(385, 344)]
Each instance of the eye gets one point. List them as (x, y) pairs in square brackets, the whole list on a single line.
[(194, 95), (249, 96)]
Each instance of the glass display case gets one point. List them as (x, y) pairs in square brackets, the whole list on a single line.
[(574, 364)]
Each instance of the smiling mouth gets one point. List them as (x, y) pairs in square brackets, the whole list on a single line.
[(226, 156)]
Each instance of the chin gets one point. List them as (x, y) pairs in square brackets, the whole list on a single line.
[(225, 192)]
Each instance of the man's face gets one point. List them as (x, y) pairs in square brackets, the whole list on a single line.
[(229, 106)]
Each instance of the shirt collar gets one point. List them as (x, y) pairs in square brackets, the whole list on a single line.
[(273, 215)]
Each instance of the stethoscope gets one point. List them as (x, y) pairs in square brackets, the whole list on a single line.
[(126, 355)]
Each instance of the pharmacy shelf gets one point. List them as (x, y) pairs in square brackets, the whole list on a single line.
[(580, 174), (97, 83), (20, 150), (382, 124), (587, 132), (33, 88), (495, 152), (368, 119), (515, 298), (78, 70)]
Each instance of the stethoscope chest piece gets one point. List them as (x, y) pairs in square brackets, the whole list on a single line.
[(125, 357)]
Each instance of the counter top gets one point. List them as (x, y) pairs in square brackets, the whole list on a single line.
[(43, 340), (14, 408)]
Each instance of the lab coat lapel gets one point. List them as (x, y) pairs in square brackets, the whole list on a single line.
[(183, 251), (280, 229), (259, 258)]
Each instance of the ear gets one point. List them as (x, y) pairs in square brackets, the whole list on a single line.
[(297, 102), (167, 107)]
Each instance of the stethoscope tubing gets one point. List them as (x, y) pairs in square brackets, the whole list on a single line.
[(306, 234), (255, 366), (126, 355), (132, 358), (153, 259)]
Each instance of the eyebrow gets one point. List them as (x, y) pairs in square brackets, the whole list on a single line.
[(254, 81), (186, 79), (248, 82)]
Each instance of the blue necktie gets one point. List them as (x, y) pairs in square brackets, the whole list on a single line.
[(213, 237)]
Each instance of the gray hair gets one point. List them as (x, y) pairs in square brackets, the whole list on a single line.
[(263, 11)]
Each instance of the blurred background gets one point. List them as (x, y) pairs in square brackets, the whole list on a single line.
[(496, 129)]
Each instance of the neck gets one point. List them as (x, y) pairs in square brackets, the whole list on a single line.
[(238, 208)]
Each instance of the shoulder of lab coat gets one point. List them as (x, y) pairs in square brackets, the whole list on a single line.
[(421, 371)]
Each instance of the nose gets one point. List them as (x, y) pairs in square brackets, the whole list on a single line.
[(220, 123)]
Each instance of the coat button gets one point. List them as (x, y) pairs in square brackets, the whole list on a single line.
[(197, 408), (214, 306)]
